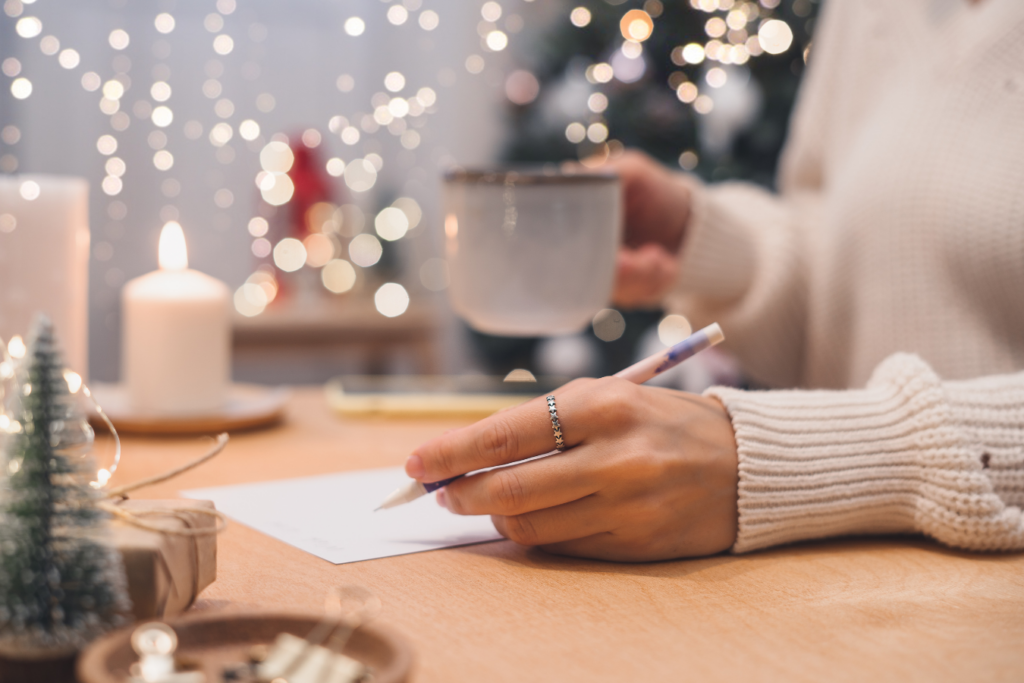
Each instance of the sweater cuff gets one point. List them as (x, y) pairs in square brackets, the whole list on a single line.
[(991, 411), (890, 458)]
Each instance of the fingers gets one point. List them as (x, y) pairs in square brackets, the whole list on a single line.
[(656, 203), (643, 276), (574, 520), (544, 483), (522, 432), (632, 165)]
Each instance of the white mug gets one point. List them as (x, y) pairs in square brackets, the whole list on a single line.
[(531, 253)]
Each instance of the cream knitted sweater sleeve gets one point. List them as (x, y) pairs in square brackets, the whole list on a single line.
[(906, 454), (746, 258)]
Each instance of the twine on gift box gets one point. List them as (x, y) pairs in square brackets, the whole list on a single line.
[(134, 517)]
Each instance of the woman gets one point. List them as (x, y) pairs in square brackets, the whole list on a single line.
[(892, 259)]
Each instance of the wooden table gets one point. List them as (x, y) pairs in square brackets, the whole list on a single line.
[(850, 610)]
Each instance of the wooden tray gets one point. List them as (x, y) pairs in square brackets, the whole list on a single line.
[(248, 406), (215, 640)]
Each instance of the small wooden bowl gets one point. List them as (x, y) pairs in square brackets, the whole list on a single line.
[(215, 640)]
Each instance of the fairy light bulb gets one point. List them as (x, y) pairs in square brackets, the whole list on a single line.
[(102, 477), (74, 381), (16, 347)]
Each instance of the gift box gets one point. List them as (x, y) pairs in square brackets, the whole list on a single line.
[(166, 571)]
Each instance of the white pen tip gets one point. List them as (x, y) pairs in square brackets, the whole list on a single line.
[(403, 494)]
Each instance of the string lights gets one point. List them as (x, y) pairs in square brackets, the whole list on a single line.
[(736, 31), (336, 231)]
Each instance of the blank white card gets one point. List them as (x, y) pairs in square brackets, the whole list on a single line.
[(331, 516)]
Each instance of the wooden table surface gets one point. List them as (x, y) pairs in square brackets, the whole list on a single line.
[(847, 610)]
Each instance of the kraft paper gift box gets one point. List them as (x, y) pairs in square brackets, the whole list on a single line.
[(166, 571)]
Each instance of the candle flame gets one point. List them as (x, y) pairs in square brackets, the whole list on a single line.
[(173, 254)]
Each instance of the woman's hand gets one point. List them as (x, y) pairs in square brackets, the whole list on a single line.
[(657, 209), (649, 473)]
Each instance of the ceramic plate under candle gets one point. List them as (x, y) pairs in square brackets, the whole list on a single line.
[(248, 406)]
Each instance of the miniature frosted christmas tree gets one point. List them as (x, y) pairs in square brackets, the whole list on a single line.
[(60, 586)]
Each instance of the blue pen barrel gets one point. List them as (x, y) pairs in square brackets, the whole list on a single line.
[(435, 485)]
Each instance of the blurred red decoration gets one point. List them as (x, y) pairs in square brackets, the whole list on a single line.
[(309, 176)]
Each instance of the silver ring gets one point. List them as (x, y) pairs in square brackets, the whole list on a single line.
[(555, 426)]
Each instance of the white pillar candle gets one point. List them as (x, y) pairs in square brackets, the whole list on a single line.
[(177, 338), (44, 260)]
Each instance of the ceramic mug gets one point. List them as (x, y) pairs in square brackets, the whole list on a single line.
[(531, 253)]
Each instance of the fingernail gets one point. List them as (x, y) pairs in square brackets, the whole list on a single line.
[(414, 467), (442, 499)]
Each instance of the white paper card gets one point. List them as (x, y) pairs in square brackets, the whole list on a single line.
[(331, 515)]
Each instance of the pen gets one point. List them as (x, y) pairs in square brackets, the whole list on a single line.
[(638, 373)]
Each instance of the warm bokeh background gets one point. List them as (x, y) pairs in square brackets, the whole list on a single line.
[(312, 135)]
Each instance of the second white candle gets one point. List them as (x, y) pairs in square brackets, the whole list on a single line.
[(176, 336)]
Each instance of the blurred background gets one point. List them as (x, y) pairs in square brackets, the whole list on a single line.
[(301, 146)]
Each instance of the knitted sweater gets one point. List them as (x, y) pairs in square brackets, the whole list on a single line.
[(907, 454), (898, 227)]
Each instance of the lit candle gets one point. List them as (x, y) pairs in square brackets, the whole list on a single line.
[(44, 259), (177, 338)]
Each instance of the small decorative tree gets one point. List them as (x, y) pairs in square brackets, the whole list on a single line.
[(60, 587)]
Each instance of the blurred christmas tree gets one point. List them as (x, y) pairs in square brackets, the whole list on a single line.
[(702, 85), (60, 587), (705, 84)]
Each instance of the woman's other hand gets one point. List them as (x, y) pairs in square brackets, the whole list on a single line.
[(649, 473), (657, 209)]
